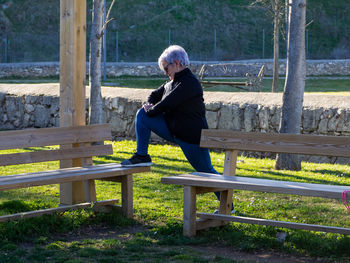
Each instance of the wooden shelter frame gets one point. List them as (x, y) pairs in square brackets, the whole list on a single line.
[(72, 86)]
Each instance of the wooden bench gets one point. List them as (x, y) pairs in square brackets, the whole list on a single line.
[(76, 150), (253, 83), (232, 142)]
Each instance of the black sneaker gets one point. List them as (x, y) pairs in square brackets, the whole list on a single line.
[(138, 160)]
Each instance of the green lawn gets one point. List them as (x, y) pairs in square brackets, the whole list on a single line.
[(158, 215), (319, 85)]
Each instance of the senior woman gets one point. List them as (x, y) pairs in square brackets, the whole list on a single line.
[(176, 112)]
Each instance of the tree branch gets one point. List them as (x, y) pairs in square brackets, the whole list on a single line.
[(105, 25), (106, 21), (309, 23)]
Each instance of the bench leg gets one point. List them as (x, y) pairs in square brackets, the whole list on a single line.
[(89, 190), (189, 213), (226, 202), (127, 195)]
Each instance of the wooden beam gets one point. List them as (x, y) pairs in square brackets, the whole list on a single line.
[(203, 190), (259, 221), (278, 143), (207, 223), (60, 209), (255, 184), (225, 83), (229, 170), (127, 195), (17, 139), (67, 175), (189, 211), (72, 84), (54, 155), (230, 163), (72, 62)]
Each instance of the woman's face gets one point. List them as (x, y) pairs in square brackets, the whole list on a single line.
[(171, 68)]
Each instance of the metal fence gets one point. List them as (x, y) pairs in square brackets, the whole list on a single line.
[(25, 47), (133, 46)]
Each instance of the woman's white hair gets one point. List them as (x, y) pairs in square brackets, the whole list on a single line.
[(173, 53)]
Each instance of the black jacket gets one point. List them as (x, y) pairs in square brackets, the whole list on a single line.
[(182, 103)]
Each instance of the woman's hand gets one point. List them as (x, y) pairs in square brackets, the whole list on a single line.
[(147, 106)]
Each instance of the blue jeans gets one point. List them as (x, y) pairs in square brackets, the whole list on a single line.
[(198, 157)]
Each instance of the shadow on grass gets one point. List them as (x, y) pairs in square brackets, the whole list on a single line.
[(332, 172), (163, 169), (246, 237), (16, 206), (162, 157), (153, 241)]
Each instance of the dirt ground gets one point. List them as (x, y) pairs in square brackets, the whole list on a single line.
[(103, 232)]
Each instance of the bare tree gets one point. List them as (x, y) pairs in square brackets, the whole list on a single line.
[(276, 10), (295, 81), (97, 30)]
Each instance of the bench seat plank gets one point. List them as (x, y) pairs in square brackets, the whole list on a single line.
[(256, 184), (259, 221), (67, 175)]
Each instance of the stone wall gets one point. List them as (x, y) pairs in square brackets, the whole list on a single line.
[(214, 69), (37, 105)]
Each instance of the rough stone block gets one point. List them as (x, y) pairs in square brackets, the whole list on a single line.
[(41, 117), (237, 117), (4, 118), (114, 103), (55, 106), (7, 126), (250, 117), (213, 106), (212, 118), (47, 100), (226, 117), (333, 122), (323, 124), (2, 98), (310, 120), (344, 122), (131, 131), (118, 124), (29, 108), (130, 108), (26, 120), (275, 118), (263, 116), (30, 99), (17, 123)]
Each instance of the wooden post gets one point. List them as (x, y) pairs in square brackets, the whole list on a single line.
[(189, 213), (72, 86), (229, 170), (127, 195)]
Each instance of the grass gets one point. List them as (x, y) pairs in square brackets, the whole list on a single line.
[(158, 215), (322, 85)]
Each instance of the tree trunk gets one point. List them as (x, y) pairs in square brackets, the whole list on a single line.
[(295, 81), (276, 43), (95, 62)]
